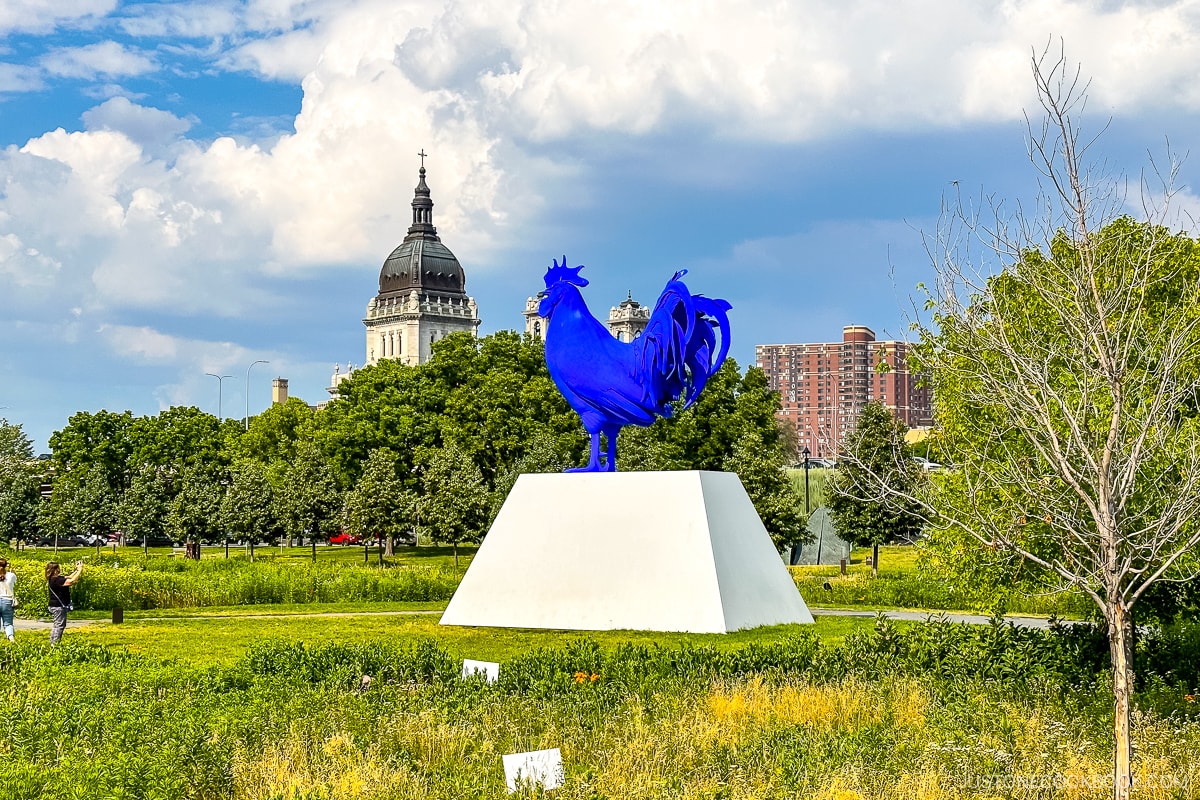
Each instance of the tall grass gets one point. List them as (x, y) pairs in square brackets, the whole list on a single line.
[(818, 485), (135, 583), (823, 587), (938, 712)]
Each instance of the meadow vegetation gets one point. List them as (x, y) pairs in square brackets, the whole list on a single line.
[(919, 711), (345, 577)]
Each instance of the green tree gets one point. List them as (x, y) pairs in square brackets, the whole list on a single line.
[(82, 501), (871, 498), (276, 434), (307, 498), (14, 444), (142, 510), (379, 504), (175, 439), (193, 513), (1065, 386), (490, 397), (248, 505), (20, 478), (455, 502), (101, 442)]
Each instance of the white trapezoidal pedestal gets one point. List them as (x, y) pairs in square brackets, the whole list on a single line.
[(653, 551)]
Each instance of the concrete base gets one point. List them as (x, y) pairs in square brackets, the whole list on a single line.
[(653, 551)]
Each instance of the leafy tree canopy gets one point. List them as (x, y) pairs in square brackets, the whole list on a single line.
[(14, 444), (876, 475)]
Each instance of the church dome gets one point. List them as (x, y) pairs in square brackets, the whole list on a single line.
[(421, 261)]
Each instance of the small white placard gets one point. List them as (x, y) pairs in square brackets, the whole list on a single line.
[(490, 670), (540, 766)]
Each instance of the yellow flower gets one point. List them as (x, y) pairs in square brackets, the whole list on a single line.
[(580, 677), (595, 677)]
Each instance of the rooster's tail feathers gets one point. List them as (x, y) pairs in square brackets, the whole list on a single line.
[(680, 350)]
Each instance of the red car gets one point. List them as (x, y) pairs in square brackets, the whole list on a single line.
[(343, 538)]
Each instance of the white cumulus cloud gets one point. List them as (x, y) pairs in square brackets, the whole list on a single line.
[(19, 78), (141, 124), (507, 98), (41, 15), (106, 59)]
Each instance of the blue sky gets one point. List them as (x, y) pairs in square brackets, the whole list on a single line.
[(189, 187)]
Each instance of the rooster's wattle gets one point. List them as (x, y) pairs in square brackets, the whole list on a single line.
[(611, 383)]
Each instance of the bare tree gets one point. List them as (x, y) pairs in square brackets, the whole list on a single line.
[(1064, 349)]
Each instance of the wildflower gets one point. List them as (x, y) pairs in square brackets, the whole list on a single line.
[(595, 677), (580, 677), (1191, 698)]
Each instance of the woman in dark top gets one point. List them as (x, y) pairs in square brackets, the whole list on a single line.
[(60, 597)]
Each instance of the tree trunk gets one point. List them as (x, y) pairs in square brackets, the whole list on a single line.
[(389, 546), (875, 559), (1120, 644)]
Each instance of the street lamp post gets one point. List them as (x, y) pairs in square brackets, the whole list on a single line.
[(806, 453), (220, 386), (260, 361)]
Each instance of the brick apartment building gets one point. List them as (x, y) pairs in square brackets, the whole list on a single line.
[(824, 385)]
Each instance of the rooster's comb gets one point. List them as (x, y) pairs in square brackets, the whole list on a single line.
[(561, 272)]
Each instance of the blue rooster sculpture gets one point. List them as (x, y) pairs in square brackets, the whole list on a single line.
[(611, 383)]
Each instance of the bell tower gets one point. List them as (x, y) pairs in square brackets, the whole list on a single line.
[(422, 291)]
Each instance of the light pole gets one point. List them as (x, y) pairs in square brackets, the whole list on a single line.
[(806, 453), (260, 361), (220, 386)]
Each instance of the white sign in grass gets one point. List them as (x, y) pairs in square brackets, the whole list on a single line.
[(490, 670), (540, 766)]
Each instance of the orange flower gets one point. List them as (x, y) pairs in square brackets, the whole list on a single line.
[(595, 677), (580, 677), (1191, 698)]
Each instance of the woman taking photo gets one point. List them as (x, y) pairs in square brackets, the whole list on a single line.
[(60, 597), (8, 598)]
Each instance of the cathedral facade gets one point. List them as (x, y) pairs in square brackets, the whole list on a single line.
[(626, 321)]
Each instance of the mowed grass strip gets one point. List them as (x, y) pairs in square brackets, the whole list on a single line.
[(223, 640)]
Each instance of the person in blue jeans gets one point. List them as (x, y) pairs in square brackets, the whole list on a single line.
[(60, 597), (8, 598)]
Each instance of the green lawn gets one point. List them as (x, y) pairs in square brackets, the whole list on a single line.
[(224, 640)]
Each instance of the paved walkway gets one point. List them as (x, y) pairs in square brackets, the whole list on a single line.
[(921, 616), (914, 616)]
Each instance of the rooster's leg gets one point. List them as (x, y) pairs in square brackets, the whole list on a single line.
[(593, 464), (611, 433)]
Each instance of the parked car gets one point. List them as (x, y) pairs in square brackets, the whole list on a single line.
[(155, 541), (343, 538)]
